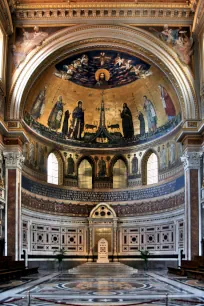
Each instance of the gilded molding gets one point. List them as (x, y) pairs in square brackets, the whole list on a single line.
[(5, 17)]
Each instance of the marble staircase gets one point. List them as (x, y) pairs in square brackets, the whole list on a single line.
[(103, 269)]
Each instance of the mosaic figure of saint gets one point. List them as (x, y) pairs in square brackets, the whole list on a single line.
[(32, 154), (78, 121), (142, 123), (102, 76), (172, 153), (70, 167), (134, 164), (151, 114), (127, 123), (66, 122), (55, 117), (39, 104), (167, 103), (163, 158), (102, 167)]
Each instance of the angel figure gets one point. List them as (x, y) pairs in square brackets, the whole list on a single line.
[(102, 58), (119, 61), (184, 48)]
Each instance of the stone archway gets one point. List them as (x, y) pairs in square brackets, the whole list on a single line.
[(81, 38)]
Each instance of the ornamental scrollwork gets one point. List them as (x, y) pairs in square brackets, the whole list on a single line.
[(191, 160), (14, 159)]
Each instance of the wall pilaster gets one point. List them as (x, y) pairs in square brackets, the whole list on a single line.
[(192, 173), (13, 168)]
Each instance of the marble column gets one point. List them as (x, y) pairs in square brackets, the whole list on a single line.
[(13, 164), (192, 173)]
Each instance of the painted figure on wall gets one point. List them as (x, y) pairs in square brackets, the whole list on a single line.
[(66, 122), (70, 166), (172, 153), (163, 158), (134, 164), (151, 115), (142, 123), (184, 47), (167, 103), (102, 76), (55, 117), (39, 104), (127, 123), (78, 121), (102, 167)]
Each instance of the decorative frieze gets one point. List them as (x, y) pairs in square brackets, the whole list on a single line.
[(74, 209)]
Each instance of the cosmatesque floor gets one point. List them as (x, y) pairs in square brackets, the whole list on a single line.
[(103, 284)]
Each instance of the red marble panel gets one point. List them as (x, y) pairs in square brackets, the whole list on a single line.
[(194, 199), (11, 212)]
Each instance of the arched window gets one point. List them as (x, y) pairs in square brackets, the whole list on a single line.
[(52, 169), (152, 169), (85, 174), (119, 174)]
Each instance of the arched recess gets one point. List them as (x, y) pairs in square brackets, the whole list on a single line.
[(119, 171), (85, 181), (144, 165), (103, 210), (80, 38), (60, 166)]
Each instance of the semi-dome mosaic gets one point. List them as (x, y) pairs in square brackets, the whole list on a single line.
[(102, 98)]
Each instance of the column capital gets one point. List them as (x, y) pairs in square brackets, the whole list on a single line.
[(14, 160), (191, 160)]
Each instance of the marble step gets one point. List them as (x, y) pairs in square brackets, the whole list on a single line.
[(102, 269)]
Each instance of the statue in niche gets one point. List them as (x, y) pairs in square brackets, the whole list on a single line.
[(39, 104), (127, 123), (163, 158), (77, 121), (101, 167), (142, 123), (151, 115), (172, 153), (66, 122), (55, 117), (134, 164), (167, 103), (70, 167)]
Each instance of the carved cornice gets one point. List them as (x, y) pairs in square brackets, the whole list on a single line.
[(191, 160), (198, 24), (5, 17), (14, 160), (120, 12)]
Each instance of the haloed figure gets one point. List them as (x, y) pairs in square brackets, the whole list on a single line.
[(78, 121), (127, 124)]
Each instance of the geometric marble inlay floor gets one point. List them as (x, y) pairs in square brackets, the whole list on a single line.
[(104, 284)]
